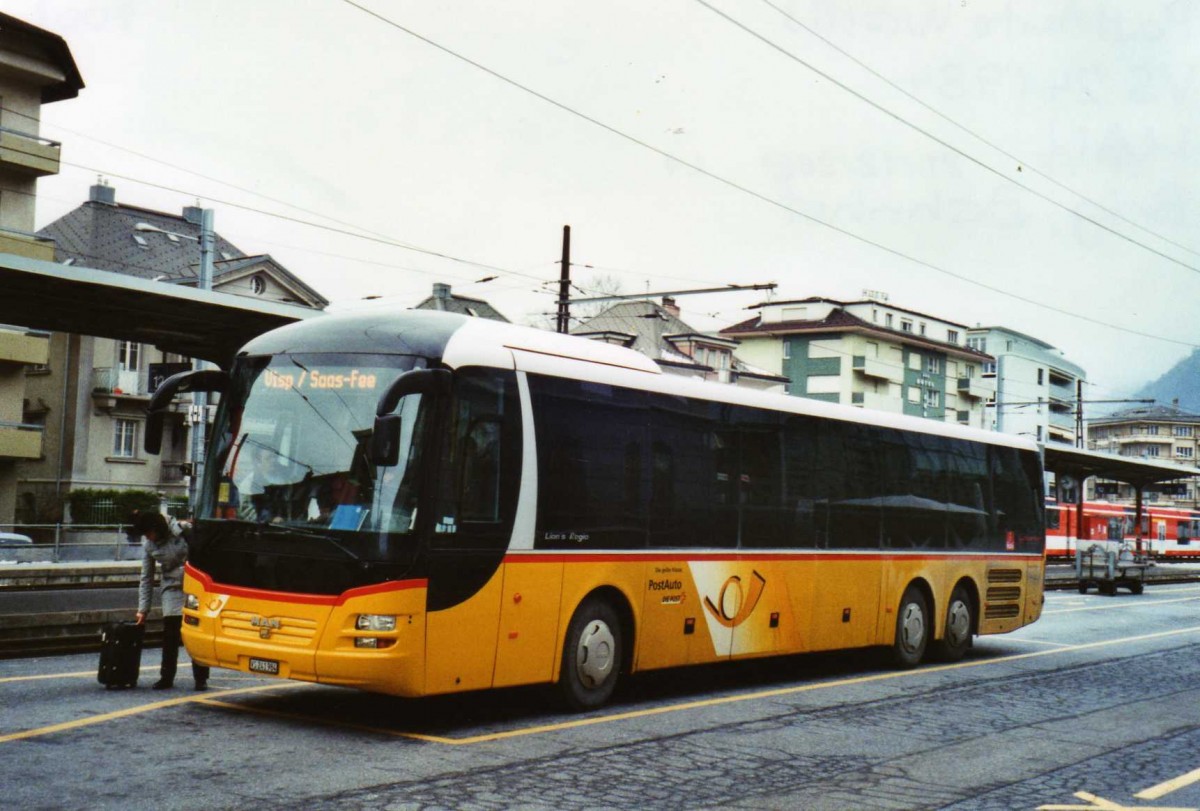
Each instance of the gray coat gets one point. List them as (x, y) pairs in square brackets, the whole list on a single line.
[(170, 555)]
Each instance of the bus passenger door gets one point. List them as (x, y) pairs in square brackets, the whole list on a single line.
[(478, 480)]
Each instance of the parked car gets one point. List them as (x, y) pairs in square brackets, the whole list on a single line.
[(14, 539)]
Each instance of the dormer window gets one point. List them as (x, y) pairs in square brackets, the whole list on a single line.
[(257, 285)]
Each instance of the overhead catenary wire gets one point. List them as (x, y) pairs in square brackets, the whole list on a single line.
[(917, 128), (1026, 166), (761, 196)]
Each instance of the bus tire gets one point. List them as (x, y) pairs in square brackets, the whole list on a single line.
[(960, 624), (1136, 588), (912, 629), (591, 662)]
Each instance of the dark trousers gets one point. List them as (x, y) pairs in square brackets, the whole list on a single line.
[(170, 653)]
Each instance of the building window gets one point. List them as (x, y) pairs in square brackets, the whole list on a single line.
[(1183, 453), (1039, 433), (129, 355), (977, 343), (125, 439), (875, 315), (914, 394), (932, 399), (906, 325), (952, 336), (257, 285), (887, 320), (1183, 430), (923, 327), (787, 350), (933, 365), (989, 368), (1152, 430), (1041, 376), (1152, 450)]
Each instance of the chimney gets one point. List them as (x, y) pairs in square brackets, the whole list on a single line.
[(102, 193), (670, 306), (193, 214), (441, 295)]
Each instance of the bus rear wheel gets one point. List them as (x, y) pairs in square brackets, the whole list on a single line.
[(960, 622), (912, 629), (591, 655)]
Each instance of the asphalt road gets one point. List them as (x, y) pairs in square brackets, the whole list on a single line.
[(1093, 705)]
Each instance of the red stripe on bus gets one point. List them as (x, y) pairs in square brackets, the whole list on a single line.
[(305, 599), (587, 557)]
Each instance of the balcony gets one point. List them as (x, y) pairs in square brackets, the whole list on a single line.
[(977, 388), (110, 383), (873, 367), (30, 154), (20, 347), (23, 243), (20, 441)]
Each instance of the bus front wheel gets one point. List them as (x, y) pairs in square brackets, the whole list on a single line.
[(912, 629), (591, 655)]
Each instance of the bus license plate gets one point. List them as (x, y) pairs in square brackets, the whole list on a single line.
[(264, 666)]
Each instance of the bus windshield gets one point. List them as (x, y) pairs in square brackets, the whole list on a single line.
[(292, 446)]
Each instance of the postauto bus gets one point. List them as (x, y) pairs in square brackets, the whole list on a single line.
[(419, 503)]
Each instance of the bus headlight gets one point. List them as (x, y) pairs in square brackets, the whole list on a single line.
[(376, 622), (191, 601)]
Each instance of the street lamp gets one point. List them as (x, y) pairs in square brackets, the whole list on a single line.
[(204, 282)]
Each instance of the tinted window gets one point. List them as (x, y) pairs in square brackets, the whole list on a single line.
[(593, 461)]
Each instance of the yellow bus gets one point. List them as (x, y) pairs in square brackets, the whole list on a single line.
[(419, 503)]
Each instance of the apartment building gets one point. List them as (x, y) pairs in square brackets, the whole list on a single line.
[(36, 68), (1158, 432), (1036, 386), (869, 353)]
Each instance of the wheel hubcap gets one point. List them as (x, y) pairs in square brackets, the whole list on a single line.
[(912, 627), (958, 623), (595, 655)]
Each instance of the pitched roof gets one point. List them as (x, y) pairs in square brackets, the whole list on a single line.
[(1149, 413), (463, 305), (652, 327), (230, 268), (105, 237), (839, 320)]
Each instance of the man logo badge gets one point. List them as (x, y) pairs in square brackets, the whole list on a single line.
[(264, 625)]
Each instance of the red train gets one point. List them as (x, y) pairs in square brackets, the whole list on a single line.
[(1167, 532)]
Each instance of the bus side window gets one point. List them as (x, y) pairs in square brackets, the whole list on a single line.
[(483, 437)]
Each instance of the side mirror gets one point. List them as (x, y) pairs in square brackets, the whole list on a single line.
[(196, 380), (385, 439)]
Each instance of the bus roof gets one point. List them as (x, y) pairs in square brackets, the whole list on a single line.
[(457, 341)]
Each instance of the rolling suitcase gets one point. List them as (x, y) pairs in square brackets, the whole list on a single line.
[(120, 654)]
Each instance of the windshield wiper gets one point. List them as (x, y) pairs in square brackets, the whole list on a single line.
[(305, 532), (284, 530)]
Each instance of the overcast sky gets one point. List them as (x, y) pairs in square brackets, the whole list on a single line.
[(323, 113)]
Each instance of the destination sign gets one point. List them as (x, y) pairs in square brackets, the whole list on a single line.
[(318, 380)]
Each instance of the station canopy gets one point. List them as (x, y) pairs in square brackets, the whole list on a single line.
[(1067, 461), (202, 324)]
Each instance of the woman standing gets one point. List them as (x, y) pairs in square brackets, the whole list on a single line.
[(165, 546)]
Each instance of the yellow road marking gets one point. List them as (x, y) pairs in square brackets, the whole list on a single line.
[(128, 711), (1100, 804), (603, 719), (1121, 604), (714, 702), (75, 675), (1162, 789)]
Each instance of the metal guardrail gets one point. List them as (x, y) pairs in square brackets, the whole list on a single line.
[(100, 542)]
